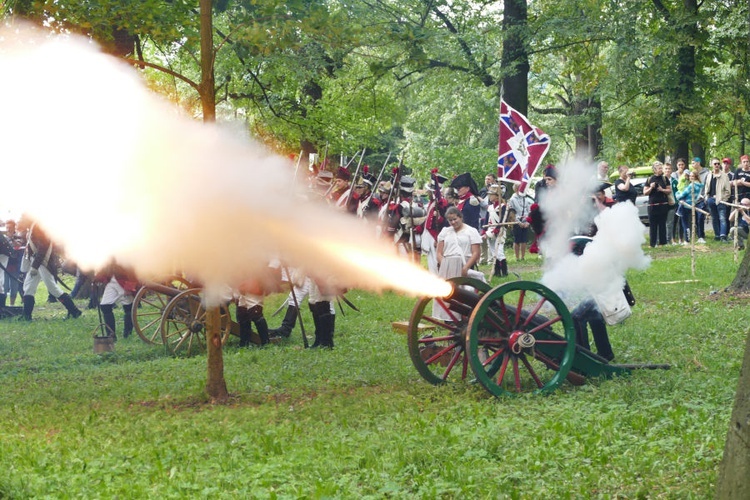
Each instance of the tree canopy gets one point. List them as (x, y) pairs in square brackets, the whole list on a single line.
[(623, 81)]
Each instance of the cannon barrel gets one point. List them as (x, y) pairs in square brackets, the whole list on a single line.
[(167, 290), (461, 300)]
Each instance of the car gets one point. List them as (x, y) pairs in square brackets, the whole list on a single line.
[(641, 200)]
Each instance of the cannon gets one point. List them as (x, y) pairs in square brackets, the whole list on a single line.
[(516, 338), (170, 312)]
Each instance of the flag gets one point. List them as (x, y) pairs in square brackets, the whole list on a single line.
[(521, 147)]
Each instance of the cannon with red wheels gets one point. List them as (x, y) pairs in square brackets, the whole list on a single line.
[(515, 338)]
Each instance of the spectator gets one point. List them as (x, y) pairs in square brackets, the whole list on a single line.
[(742, 178), (717, 191), (672, 203), (726, 165), (624, 189), (658, 205), (494, 233), (692, 196), (700, 219), (742, 226), (602, 171)]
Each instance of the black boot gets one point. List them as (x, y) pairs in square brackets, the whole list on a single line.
[(109, 320), (28, 306), (246, 329), (496, 272), (65, 300), (287, 324), (3, 298), (503, 268), (256, 316), (316, 309), (128, 320), (329, 325)]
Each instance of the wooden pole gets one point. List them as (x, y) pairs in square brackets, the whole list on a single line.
[(216, 387)]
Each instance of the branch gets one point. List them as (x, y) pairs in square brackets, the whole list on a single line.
[(166, 70)]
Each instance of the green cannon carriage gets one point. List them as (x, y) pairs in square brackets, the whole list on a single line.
[(517, 337)]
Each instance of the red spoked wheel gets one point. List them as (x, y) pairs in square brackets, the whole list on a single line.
[(520, 338), (436, 336)]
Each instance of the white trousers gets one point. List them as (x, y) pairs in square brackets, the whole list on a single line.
[(114, 293), (31, 283), (4, 262)]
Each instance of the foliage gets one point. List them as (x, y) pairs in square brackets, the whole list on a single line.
[(358, 421), (423, 77)]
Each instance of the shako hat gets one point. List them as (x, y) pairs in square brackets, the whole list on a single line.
[(343, 174), (407, 184)]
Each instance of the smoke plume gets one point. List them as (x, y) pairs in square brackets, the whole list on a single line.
[(111, 170)]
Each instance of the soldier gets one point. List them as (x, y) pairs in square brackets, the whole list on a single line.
[(341, 189), (368, 203), (406, 218), (494, 232), (468, 203), (435, 221), (120, 286), (41, 263)]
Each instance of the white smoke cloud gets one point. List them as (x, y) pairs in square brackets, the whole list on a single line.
[(616, 248), (110, 170)]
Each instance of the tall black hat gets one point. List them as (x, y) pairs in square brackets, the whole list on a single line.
[(465, 180)]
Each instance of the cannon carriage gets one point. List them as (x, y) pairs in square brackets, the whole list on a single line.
[(171, 312), (516, 338)]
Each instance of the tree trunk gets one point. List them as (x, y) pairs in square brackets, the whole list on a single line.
[(216, 387), (741, 283), (734, 471), (208, 90), (515, 59)]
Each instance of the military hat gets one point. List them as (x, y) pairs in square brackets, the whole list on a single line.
[(465, 180), (324, 178), (407, 184), (385, 186), (367, 179), (343, 174)]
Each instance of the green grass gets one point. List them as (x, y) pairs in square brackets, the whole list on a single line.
[(359, 422)]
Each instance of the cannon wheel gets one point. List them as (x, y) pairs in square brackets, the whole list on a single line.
[(148, 308), (183, 325), (438, 354), (520, 339)]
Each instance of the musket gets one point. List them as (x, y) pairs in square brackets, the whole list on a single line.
[(296, 167), (296, 304), (377, 181), (396, 178), (359, 164), (356, 173)]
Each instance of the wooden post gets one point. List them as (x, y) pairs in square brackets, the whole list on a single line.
[(216, 387)]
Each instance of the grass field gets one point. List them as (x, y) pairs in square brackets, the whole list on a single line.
[(359, 422)]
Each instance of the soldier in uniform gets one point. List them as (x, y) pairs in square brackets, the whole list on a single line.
[(41, 259), (120, 286), (406, 218), (468, 202), (341, 189), (495, 232), (368, 202), (435, 221)]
